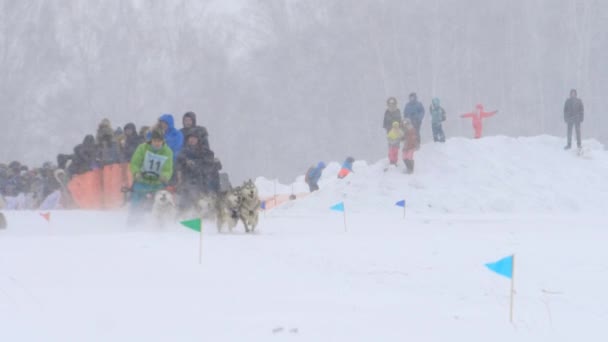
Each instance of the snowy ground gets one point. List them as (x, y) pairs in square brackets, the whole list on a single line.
[(86, 277)]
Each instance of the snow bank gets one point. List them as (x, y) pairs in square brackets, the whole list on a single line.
[(464, 176)]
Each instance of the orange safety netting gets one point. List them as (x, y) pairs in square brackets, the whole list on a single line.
[(275, 201), (100, 189)]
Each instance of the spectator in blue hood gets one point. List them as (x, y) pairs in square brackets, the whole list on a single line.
[(173, 137), (414, 111)]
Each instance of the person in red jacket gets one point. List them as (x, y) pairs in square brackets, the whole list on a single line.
[(477, 116)]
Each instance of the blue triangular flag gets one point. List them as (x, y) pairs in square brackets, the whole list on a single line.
[(263, 205), (504, 266), (400, 203), (338, 207)]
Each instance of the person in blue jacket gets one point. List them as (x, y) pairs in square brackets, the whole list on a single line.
[(173, 137), (313, 175), (414, 111)]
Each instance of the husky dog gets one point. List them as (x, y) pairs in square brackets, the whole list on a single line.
[(2, 221), (163, 208), (227, 210), (249, 205)]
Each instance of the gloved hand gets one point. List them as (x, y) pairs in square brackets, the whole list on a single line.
[(163, 179), (138, 176)]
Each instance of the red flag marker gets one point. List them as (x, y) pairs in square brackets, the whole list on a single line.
[(46, 216)]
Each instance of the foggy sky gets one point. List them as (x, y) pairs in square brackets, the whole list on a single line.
[(281, 85)]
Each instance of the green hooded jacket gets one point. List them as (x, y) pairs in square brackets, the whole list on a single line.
[(153, 165)]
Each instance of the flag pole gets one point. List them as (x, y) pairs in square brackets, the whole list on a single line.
[(344, 212), (200, 245), (512, 287), (275, 192)]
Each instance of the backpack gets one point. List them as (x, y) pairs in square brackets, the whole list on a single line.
[(307, 175)]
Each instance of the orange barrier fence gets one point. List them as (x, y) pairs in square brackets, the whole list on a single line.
[(275, 201), (100, 189)]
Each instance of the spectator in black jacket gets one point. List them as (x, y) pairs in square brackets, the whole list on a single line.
[(574, 113), (189, 122)]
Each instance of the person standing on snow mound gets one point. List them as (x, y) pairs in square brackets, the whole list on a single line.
[(437, 118), (152, 168), (391, 114), (394, 137), (313, 175), (477, 117), (574, 113), (409, 146), (414, 111), (347, 167)]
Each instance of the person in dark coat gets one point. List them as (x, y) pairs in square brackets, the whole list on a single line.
[(130, 141), (15, 182), (392, 114), (191, 177), (414, 111), (85, 157), (189, 122), (107, 148), (574, 114), (49, 181), (215, 182)]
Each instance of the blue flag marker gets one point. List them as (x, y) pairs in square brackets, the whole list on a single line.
[(263, 205), (504, 266), (338, 207), (401, 204)]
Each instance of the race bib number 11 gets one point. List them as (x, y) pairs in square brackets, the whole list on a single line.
[(153, 163)]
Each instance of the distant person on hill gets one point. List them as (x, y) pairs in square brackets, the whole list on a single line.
[(437, 118), (391, 114), (394, 137), (313, 175), (414, 111), (574, 113), (477, 117), (410, 145), (347, 167)]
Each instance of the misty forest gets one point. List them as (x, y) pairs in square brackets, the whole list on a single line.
[(282, 84)]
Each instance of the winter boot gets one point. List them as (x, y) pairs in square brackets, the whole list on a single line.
[(567, 147), (409, 164)]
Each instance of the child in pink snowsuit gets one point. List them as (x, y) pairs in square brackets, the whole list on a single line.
[(394, 137), (477, 116)]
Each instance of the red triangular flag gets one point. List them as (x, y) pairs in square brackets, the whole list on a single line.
[(46, 216)]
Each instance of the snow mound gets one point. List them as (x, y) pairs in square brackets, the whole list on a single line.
[(463, 176)]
